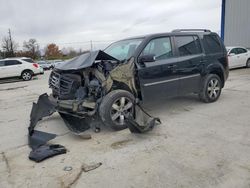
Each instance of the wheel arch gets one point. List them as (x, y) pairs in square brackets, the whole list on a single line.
[(27, 70), (218, 70)]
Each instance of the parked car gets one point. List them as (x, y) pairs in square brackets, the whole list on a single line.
[(19, 67), (45, 65), (238, 57), (148, 68)]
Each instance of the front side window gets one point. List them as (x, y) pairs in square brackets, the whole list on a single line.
[(12, 62), (188, 45), (160, 47), (122, 50), (234, 51)]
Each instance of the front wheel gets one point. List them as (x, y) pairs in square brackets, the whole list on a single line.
[(211, 88), (26, 75), (115, 107)]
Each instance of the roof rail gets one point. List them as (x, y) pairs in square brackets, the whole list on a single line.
[(190, 30)]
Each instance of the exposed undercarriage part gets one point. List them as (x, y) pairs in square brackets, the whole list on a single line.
[(83, 87)]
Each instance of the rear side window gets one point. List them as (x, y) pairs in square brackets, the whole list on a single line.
[(12, 62), (160, 47), (28, 60), (188, 45), (212, 44)]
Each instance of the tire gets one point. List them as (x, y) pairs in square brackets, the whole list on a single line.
[(114, 107), (248, 63), (211, 88), (26, 75)]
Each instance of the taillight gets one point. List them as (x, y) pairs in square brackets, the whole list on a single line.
[(35, 65)]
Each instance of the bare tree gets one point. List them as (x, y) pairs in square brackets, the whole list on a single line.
[(32, 48), (9, 46)]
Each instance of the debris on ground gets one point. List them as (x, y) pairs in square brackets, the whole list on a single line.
[(46, 151), (90, 167), (67, 168)]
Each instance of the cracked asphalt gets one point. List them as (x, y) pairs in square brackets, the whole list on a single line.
[(197, 145)]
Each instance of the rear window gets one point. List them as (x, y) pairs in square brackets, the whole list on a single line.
[(188, 45), (28, 60), (212, 44)]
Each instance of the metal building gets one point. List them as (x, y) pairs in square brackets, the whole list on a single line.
[(235, 22)]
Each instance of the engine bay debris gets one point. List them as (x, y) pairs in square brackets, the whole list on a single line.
[(78, 88)]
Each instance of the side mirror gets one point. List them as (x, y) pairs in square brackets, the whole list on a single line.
[(147, 58), (232, 54)]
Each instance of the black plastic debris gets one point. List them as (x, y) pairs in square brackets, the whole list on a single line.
[(46, 151), (142, 122), (37, 139), (41, 109)]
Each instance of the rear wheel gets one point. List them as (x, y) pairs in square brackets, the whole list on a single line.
[(211, 88), (248, 63), (26, 75), (115, 107)]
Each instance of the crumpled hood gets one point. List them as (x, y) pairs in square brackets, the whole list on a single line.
[(85, 60)]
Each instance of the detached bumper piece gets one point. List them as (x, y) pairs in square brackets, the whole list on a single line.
[(143, 122), (46, 151), (37, 139)]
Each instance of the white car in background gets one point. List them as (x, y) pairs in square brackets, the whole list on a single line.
[(238, 57), (24, 68)]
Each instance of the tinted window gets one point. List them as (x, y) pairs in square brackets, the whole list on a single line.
[(234, 51), (188, 45), (12, 62), (160, 47), (241, 50), (28, 60), (1, 63), (212, 44)]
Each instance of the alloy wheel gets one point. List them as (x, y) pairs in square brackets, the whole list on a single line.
[(121, 108), (26, 76), (213, 89)]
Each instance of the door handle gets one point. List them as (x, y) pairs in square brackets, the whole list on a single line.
[(172, 66), (203, 61)]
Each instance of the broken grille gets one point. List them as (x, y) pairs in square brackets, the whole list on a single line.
[(60, 84)]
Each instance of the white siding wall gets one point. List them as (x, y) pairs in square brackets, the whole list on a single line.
[(237, 23)]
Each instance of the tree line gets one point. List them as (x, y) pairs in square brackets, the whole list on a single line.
[(31, 48)]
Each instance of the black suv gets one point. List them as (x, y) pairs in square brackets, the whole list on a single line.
[(108, 83)]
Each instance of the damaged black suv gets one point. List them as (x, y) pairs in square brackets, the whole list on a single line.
[(107, 84)]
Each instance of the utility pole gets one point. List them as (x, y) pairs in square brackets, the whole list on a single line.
[(11, 44)]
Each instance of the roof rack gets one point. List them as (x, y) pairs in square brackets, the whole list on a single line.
[(190, 30)]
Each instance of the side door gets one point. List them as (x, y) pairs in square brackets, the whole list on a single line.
[(243, 56), (158, 79), (191, 63), (234, 58), (13, 68)]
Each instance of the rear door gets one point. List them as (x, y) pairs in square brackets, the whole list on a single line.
[(191, 63), (13, 68), (159, 79)]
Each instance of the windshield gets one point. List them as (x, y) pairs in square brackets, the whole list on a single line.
[(124, 49)]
